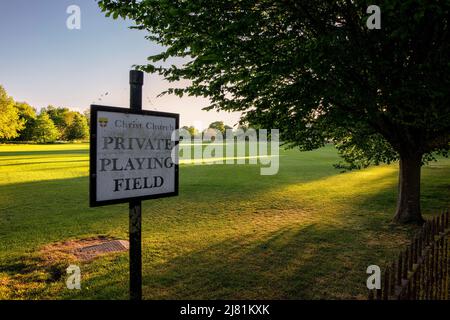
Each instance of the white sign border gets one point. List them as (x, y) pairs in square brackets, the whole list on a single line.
[(93, 202)]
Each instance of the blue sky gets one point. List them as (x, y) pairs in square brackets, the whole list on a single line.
[(42, 62)]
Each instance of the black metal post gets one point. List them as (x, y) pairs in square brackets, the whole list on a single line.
[(136, 82)]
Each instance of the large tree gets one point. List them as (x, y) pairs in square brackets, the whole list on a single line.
[(218, 125), (78, 129), (191, 130), (61, 117), (44, 130), (27, 114), (313, 69), (10, 122)]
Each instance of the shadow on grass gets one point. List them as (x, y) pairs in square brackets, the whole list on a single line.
[(306, 260), (293, 263), (41, 162), (36, 212), (43, 152)]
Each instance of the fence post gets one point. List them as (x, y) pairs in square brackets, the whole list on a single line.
[(422, 269)]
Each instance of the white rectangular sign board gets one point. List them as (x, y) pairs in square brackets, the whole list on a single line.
[(131, 155)]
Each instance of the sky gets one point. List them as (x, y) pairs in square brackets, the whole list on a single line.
[(45, 63)]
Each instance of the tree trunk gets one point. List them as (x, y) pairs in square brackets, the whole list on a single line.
[(408, 201)]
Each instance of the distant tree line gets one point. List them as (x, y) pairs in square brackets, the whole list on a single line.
[(216, 125), (21, 122)]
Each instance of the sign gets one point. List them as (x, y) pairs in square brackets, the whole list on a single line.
[(131, 155)]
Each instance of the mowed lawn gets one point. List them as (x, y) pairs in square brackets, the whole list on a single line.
[(308, 232)]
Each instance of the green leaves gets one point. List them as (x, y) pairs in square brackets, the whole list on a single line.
[(10, 122), (44, 130), (311, 68)]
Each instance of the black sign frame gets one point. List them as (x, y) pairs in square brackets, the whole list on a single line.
[(93, 155)]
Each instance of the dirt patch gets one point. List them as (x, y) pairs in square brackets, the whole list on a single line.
[(83, 249), (29, 277)]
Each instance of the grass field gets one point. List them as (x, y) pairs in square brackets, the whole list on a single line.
[(308, 232)]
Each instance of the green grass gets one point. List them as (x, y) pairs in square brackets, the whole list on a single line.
[(308, 232)]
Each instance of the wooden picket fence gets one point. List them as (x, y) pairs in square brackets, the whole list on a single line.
[(421, 271)]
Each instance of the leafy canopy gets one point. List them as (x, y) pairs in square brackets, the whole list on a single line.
[(10, 123), (193, 132), (312, 68), (27, 114), (78, 129), (218, 125), (44, 129)]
